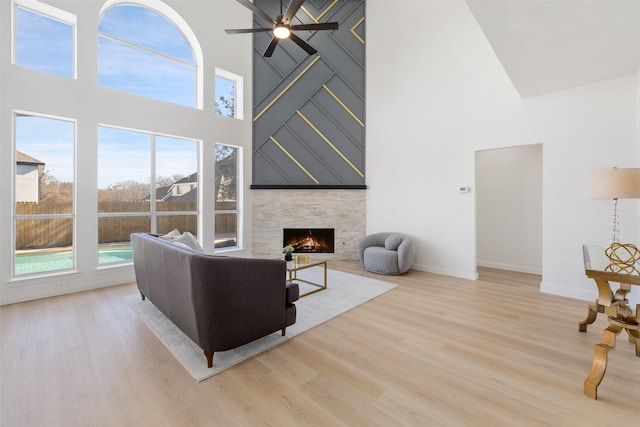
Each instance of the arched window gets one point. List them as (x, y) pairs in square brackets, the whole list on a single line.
[(149, 53)]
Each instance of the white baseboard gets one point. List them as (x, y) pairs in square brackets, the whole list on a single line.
[(569, 292), (445, 272), (511, 267)]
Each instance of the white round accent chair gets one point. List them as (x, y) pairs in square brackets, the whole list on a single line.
[(387, 253)]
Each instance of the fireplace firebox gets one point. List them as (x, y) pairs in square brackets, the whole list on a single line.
[(309, 240)]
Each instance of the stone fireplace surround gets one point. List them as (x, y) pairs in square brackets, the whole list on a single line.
[(275, 209)]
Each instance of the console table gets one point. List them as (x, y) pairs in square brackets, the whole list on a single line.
[(615, 305)]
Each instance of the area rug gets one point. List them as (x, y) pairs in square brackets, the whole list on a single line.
[(344, 292)]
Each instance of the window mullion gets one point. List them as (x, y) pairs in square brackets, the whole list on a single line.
[(147, 50), (152, 187)]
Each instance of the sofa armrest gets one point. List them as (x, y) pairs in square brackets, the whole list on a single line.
[(293, 293)]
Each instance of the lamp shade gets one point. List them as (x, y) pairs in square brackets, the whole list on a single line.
[(616, 184)]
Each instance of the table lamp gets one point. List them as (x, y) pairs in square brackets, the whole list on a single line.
[(617, 184)]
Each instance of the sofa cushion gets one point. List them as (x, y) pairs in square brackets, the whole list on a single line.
[(189, 240), (392, 242), (170, 235)]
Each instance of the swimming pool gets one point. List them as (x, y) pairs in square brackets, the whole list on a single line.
[(42, 261)]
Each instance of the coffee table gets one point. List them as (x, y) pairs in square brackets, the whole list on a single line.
[(302, 263)]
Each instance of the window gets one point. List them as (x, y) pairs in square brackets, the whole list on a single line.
[(142, 52), (227, 214), (228, 96), (43, 194), (44, 38), (146, 183)]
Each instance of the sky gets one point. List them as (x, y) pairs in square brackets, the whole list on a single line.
[(125, 155), (46, 44)]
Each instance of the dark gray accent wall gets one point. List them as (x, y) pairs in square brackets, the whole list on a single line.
[(309, 110)]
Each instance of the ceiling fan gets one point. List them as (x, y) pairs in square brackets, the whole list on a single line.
[(281, 26)]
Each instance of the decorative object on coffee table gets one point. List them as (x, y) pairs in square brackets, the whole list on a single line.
[(287, 251)]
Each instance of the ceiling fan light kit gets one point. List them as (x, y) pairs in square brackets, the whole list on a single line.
[(281, 32), (281, 26)]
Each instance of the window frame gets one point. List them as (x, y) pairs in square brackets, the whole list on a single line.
[(238, 92), (14, 214), (153, 214), (239, 199), (179, 22), (50, 12)]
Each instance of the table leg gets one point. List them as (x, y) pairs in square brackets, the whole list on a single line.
[(600, 357), (592, 313), (634, 337), (634, 332)]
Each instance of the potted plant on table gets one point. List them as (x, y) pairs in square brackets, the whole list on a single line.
[(287, 250)]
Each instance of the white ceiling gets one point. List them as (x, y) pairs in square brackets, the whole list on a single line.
[(550, 45)]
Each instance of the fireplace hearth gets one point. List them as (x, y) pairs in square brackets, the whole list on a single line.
[(309, 240)]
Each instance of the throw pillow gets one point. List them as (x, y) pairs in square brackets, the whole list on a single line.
[(170, 235), (188, 239), (392, 242)]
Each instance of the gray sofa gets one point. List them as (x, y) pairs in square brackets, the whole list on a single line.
[(387, 253), (219, 302)]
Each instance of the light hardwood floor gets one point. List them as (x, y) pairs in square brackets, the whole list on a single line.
[(436, 351)]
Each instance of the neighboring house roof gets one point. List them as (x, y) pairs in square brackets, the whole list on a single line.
[(165, 193), (191, 178), (24, 159)]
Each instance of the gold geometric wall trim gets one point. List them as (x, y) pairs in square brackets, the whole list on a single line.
[(355, 27), (309, 111), (291, 83), (319, 17), (293, 159), (325, 139), (343, 106)]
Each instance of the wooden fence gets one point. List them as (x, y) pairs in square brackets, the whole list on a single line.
[(50, 233)]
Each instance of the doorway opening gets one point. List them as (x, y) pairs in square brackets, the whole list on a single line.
[(509, 208)]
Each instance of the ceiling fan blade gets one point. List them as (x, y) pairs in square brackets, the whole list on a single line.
[(303, 44), (293, 8), (262, 14), (272, 46), (247, 30), (314, 27)]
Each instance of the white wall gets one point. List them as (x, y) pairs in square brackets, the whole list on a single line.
[(439, 94), (583, 129), (509, 208), (91, 105)]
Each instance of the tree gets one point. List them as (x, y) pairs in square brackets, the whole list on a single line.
[(53, 190), (165, 181), (226, 106), (124, 191), (226, 172)]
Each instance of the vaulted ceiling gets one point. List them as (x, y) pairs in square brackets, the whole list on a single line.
[(550, 45)]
